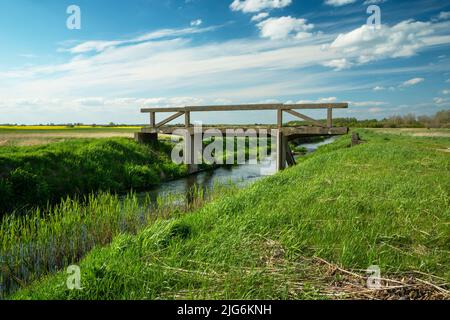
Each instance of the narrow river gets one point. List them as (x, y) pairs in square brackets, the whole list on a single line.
[(240, 175)]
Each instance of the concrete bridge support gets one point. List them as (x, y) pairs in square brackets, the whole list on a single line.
[(146, 137), (193, 150), (282, 146), (284, 155), (282, 133), (190, 153)]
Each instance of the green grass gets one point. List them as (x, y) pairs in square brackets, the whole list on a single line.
[(35, 176), (385, 202), (61, 128), (39, 243)]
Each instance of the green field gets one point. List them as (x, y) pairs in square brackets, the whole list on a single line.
[(307, 232), (37, 175), (39, 135)]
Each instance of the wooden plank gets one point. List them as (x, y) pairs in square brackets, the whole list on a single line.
[(330, 118), (314, 106), (290, 156), (287, 131), (281, 150), (152, 119), (171, 118), (280, 118), (246, 107), (302, 116), (313, 131), (187, 119)]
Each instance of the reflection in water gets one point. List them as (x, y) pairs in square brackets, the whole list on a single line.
[(241, 175)]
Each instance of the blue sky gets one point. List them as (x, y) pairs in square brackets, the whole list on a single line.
[(134, 53)]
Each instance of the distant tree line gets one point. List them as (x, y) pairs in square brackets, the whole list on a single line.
[(440, 120)]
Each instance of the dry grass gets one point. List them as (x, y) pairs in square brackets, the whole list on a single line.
[(416, 132), (352, 284), (388, 208), (32, 138), (39, 135)]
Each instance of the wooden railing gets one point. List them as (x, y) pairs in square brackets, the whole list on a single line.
[(288, 108)]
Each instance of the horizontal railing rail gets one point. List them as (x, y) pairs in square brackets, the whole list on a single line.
[(288, 108)]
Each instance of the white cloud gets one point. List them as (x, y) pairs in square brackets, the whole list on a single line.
[(441, 101), (364, 44), (367, 103), (258, 5), (338, 3), (327, 100), (412, 82), (379, 88), (444, 15), (196, 23), (446, 92), (27, 55), (102, 45), (260, 16), (283, 27), (242, 70), (369, 2), (359, 107), (91, 101), (338, 64), (320, 100), (103, 102)]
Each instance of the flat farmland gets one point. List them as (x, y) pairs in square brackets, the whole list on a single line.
[(416, 132), (38, 135)]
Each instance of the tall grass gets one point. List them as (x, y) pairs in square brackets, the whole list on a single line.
[(385, 202), (41, 175), (36, 176), (39, 243)]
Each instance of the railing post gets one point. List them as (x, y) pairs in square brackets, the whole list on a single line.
[(279, 118), (152, 119), (187, 119), (330, 117), (281, 150)]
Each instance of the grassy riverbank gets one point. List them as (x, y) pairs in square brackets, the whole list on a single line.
[(40, 243), (19, 136), (37, 175), (385, 202)]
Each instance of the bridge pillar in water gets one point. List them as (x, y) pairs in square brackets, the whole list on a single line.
[(282, 147), (145, 138), (190, 152)]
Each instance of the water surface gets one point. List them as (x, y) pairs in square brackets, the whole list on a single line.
[(240, 175)]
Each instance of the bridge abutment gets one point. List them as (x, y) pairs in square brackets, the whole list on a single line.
[(282, 146), (146, 137), (190, 152), (284, 134), (285, 157)]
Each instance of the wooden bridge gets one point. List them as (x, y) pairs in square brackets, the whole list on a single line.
[(283, 134)]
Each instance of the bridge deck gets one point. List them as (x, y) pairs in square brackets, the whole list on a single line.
[(289, 132), (281, 133)]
